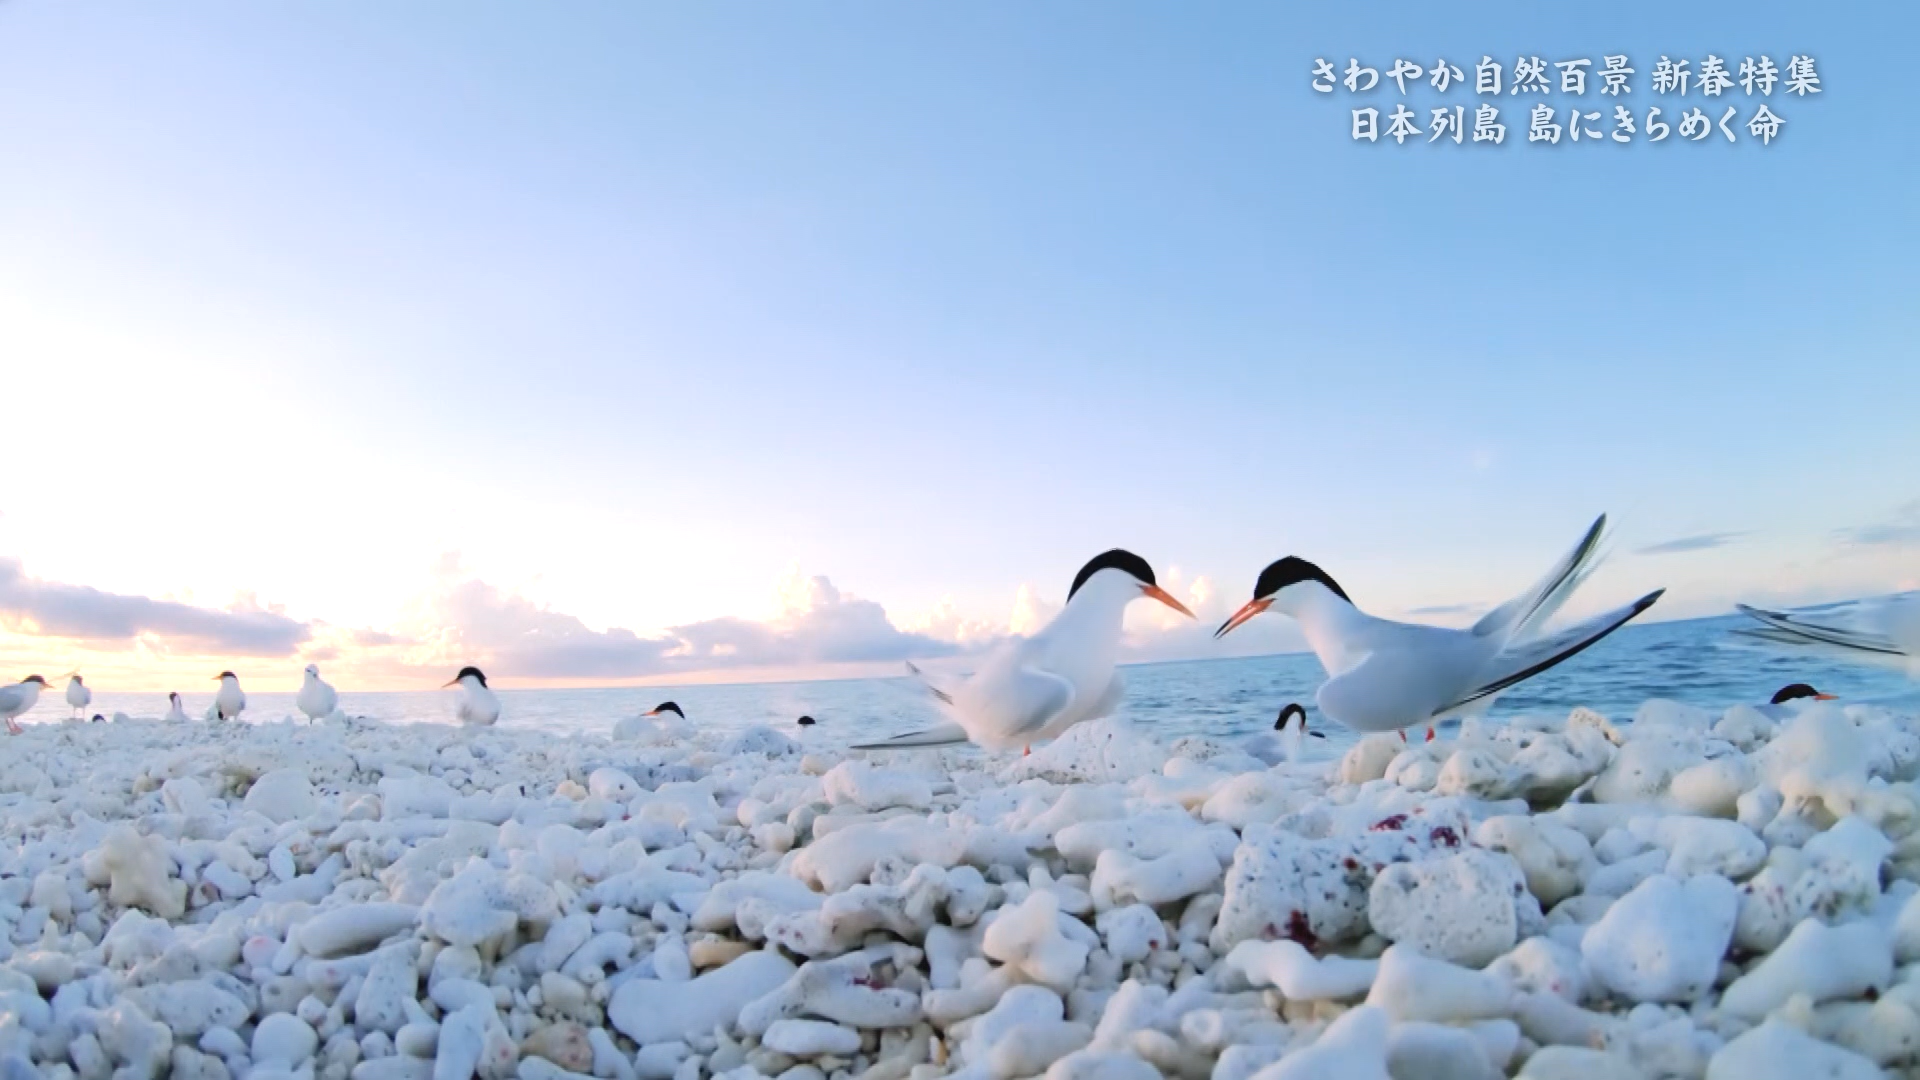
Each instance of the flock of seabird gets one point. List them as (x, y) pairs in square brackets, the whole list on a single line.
[(1382, 675)]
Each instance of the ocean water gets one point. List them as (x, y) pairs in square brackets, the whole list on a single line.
[(1697, 661)]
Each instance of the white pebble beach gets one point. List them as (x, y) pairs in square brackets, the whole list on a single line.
[(1680, 893)]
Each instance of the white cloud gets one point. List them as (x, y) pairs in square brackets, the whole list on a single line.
[(82, 613), (1030, 613), (1899, 529), (463, 619), (947, 623), (1685, 544)]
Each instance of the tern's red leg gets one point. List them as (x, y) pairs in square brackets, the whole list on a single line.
[(1026, 752), (1403, 735), (1429, 732)]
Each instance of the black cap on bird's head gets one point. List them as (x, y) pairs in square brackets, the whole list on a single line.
[(225, 675), (97, 718), (171, 696), (1294, 711), (805, 721), (76, 678), (466, 671), (1797, 692), (1133, 566), (1279, 574), (666, 706), (34, 679)]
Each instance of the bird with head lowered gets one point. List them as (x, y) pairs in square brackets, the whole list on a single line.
[(1031, 689)]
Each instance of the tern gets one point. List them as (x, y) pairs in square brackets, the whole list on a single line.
[(665, 706), (1790, 699), (228, 701), (1890, 637), (1035, 688), (1390, 676), (78, 696), (1283, 743), (316, 698), (18, 698), (175, 714), (478, 705)]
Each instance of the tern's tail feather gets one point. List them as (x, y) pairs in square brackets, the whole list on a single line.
[(943, 735), (1524, 661), (1513, 619)]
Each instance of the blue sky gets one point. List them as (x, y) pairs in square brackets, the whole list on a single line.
[(426, 327)]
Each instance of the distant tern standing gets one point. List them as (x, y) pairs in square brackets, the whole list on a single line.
[(78, 696), (228, 701), (175, 714), (316, 698), (1285, 741), (478, 706), (1035, 688), (1390, 676), (18, 699)]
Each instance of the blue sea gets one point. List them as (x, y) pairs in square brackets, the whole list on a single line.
[(1697, 661)]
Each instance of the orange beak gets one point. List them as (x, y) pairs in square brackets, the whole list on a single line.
[(1166, 598), (449, 682), (1823, 697), (1247, 611), (651, 712)]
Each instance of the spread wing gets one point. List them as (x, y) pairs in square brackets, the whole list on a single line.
[(946, 697), (1000, 706), (1535, 606), (1790, 629), (1524, 661)]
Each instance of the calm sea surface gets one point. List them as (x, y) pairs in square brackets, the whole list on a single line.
[(1697, 661)]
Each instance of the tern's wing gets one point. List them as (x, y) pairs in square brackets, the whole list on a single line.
[(1019, 702), (1847, 654), (1011, 704), (945, 734), (1785, 626), (942, 735), (1535, 606), (945, 697), (1524, 661)]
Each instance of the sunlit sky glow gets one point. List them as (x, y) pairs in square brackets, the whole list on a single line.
[(671, 341)]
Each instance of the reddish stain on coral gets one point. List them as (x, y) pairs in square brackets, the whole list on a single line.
[(1298, 930), (1396, 821), (1444, 834)]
